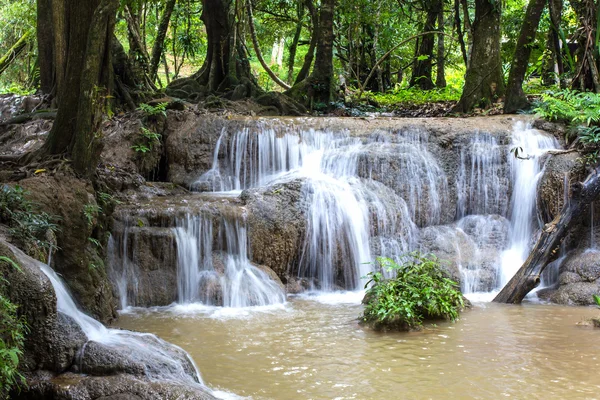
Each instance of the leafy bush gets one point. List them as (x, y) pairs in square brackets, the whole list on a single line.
[(420, 290), (28, 226), (12, 336), (570, 106)]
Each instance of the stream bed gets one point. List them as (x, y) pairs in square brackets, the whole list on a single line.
[(312, 347)]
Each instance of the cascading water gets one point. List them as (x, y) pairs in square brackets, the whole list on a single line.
[(526, 172), (379, 193), (238, 283), (156, 355)]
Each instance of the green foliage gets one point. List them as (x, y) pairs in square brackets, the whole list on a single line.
[(146, 141), (414, 96), (90, 211), (597, 300), (149, 110), (12, 336), (570, 106), (420, 290), (27, 225)]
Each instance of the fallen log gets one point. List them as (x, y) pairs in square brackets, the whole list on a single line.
[(547, 247)]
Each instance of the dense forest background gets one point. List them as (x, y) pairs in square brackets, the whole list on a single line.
[(387, 51)]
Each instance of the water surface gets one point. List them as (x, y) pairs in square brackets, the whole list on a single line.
[(313, 348)]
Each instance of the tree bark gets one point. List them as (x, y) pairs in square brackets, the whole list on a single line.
[(553, 62), (161, 34), (314, 39), (440, 80), (318, 87), (45, 40), (295, 40), (484, 82), (14, 51), (421, 75), (215, 15), (548, 245), (87, 81), (515, 97)]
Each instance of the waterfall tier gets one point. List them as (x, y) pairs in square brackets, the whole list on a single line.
[(316, 204)]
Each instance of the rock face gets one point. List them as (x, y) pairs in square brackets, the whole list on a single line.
[(56, 344), (276, 226), (77, 259), (578, 279)]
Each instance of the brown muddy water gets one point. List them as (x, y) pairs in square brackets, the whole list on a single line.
[(313, 348)]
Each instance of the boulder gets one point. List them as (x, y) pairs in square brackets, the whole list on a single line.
[(579, 278)]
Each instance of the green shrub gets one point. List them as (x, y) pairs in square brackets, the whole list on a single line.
[(419, 290), (28, 226), (12, 336)]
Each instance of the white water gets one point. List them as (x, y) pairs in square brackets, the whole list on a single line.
[(240, 284), (381, 194), (525, 174), (143, 348)]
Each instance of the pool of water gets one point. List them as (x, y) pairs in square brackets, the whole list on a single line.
[(313, 348)]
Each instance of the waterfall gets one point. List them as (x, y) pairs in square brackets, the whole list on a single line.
[(146, 349), (220, 275), (526, 172)]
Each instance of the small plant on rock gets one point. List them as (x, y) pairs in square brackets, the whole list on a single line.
[(12, 336), (418, 290)]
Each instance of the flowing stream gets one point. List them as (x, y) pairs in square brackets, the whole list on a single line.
[(313, 348), (383, 193)]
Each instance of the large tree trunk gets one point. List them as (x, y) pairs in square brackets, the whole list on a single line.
[(440, 80), (86, 83), (548, 245), (45, 35), (318, 87), (157, 49), (515, 97), (421, 75), (215, 71), (484, 82)]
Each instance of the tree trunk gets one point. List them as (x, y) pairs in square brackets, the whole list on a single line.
[(587, 76), (548, 245), (295, 40), (259, 55), (515, 97), (159, 43), (215, 71), (317, 89), (440, 80), (484, 82), (87, 81), (459, 31), (14, 51), (45, 40), (422, 71), (553, 68), (314, 39)]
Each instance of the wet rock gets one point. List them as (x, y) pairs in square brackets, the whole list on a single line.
[(471, 248), (276, 226), (76, 258), (579, 278), (71, 386), (53, 339), (559, 169)]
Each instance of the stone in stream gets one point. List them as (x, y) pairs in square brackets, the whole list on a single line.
[(56, 343)]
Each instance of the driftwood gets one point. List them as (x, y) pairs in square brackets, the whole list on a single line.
[(547, 247), (20, 119)]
